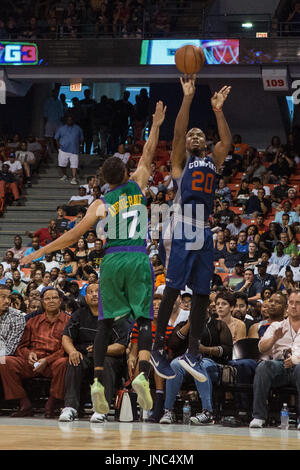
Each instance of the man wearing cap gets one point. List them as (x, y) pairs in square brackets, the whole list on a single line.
[(8, 181), (292, 199), (15, 167), (236, 277), (263, 278), (249, 286)]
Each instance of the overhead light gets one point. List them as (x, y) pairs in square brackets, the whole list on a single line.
[(247, 25)]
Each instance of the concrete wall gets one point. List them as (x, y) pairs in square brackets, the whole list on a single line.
[(251, 112), (220, 7)]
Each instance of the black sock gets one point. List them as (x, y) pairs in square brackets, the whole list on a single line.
[(198, 320), (144, 366), (165, 310), (158, 408), (100, 345), (98, 374)]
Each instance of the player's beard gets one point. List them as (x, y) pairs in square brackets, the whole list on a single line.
[(198, 151)]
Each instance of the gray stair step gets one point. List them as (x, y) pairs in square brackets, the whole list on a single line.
[(59, 185), (43, 196), (24, 211), (8, 219), (12, 228)]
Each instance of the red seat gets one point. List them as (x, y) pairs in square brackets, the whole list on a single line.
[(236, 210), (224, 275), (248, 221)]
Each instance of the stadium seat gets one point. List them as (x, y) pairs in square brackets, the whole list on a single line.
[(236, 210), (248, 221), (224, 275)]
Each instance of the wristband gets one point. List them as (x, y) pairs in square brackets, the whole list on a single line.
[(180, 335), (216, 109)]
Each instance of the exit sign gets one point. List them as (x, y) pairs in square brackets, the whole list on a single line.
[(75, 86), (261, 35)]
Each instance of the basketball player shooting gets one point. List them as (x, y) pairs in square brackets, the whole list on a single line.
[(126, 280), (195, 175)]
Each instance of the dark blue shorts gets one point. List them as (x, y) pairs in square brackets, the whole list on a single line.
[(192, 268)]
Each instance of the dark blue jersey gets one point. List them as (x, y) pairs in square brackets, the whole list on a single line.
[(197, 185)]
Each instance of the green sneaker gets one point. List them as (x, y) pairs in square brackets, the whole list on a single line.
[(141, 386), (100, 404)]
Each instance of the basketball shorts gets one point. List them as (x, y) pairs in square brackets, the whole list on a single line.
[(126, 284), (192, 268), (64, 158)]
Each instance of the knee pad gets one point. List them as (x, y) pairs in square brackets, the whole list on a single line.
[(145, 334)]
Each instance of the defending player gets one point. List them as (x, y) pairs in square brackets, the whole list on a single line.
[(126, 280), (195, 175)]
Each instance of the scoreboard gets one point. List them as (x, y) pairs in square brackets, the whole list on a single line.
[(18, 53)]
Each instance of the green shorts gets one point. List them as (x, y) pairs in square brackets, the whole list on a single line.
[(126, 285)]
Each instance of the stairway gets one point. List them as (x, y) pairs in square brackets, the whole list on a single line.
[(41, 200)]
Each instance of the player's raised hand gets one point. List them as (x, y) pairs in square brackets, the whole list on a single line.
[(159, 114), (218, 99), (188, 85)]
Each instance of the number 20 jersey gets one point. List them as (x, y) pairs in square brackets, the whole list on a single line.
[(197, 185)]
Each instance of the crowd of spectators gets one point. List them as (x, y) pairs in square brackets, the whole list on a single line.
[(255, 225), (31, 20)]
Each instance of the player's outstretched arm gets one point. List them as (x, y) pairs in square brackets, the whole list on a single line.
[(94, 212), (143, 171), (223, 146), (178, 155)]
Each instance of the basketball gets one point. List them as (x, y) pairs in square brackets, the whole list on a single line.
[(189, 59)]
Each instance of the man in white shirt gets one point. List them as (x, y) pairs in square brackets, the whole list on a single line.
[(15, 167), (281, 342), (27, 160), (122, 154), (295, 267), (49, 263), (91, 182), (77, 202), (236, 226), (279, 257)]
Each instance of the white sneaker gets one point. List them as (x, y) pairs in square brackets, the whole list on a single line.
[(68, 414), (168, 417), (74, 181), (98, 418), (257, 423), (63, 178)]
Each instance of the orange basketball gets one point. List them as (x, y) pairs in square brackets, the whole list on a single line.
[(189, 59)]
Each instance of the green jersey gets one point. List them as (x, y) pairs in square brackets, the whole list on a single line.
[(126, 223)]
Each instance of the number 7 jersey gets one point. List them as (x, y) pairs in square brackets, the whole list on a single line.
[(126, 223), (197, 185)]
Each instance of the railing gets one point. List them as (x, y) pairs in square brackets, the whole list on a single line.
[(213, 26), (144, 30)]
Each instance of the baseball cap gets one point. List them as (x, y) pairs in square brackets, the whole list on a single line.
[(262, 264), (239, 263), (12, 155), (186, 291)]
